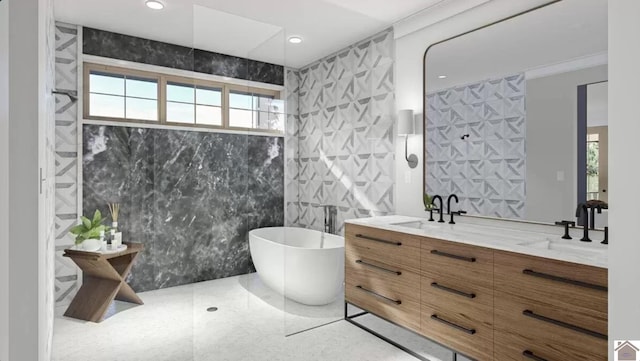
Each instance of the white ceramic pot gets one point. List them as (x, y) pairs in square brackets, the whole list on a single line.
[(91, 245)]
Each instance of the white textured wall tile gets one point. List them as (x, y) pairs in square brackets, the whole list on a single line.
[(345, 133), (487, 170)]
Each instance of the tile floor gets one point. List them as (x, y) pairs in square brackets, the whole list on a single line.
[(252, 323)]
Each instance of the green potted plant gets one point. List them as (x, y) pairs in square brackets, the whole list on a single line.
[(88, 232), (427, 201)]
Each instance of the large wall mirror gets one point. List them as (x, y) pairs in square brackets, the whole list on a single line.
[(516, 114)]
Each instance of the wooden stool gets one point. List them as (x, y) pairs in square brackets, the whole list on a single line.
[(104, 280)]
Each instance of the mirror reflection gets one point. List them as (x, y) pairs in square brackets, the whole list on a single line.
[(516, 115)]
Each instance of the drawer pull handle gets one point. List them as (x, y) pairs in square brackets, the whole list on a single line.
[(386, 299), (449, 323), (569, 326), (531, 355), (359, 261), (453, 290), (454, 256), (378, 240), (564, 280)]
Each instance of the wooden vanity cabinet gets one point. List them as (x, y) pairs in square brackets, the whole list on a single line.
[(483, 303), (382, 274), (549, 310), (457, 296)]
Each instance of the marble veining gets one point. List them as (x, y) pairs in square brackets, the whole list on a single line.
[(499, 238), (124, 47), (191, 197)]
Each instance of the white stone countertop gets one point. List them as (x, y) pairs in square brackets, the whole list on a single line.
[(533, 243)]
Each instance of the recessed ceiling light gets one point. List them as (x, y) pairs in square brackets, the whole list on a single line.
[(154, 4), (295, 39), (442, 76)]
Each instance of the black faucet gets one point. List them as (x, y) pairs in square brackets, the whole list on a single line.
[(453, 196), (566, 225), (583, 211), (433, 208), (449, 202), (453, 213), (433, 201), (592, 224)]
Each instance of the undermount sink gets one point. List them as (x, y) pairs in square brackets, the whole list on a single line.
[(589, 250), (417, 225)]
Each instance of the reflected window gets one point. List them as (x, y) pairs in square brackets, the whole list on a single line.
[(593, 166)]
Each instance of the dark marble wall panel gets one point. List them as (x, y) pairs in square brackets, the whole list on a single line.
[(131, 48), (190, 197), (265, 72), (220, 64)]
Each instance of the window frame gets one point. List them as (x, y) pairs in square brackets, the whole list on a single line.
[(162, 80), (251, 90)]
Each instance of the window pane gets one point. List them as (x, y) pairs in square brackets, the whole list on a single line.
[(209, 96), (106, 106), (142, 109), (180, 93), (266, 104), (277, 106), (270, 121), (180, 113), (240, 100), (208, 115), (240, 118), (262, 103), (142, 88), (106, 84)]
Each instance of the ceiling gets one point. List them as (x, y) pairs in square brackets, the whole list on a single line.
[(255, 29), (568, 32)]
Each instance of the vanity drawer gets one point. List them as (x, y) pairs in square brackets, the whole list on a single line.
[(360, 263), (469, 301), (393, 297), (465, 331), (391, 248), (457, 261), (577, 291), (525, 326)]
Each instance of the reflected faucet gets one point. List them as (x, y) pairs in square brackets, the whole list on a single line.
[(330, 215), (592, 224), (440, 209), (583, 211)]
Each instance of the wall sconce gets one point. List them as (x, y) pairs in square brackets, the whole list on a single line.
[(406, 127)]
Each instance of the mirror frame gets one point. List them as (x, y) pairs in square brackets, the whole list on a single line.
[(424, 103)]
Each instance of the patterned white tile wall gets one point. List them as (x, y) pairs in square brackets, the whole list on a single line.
[(487, 168), (292, 93), (345, 150), (48, 172), (66, 159)]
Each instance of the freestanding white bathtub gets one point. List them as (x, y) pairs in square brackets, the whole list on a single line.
[(304, 265)]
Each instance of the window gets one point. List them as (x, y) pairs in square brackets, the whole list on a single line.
[(123, 96), (135, 96), (194, 104), (255, 110)]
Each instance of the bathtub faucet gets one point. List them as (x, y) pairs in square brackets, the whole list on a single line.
[(330, 214)]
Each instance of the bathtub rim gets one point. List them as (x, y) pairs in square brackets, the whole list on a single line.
[(294, 247)]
